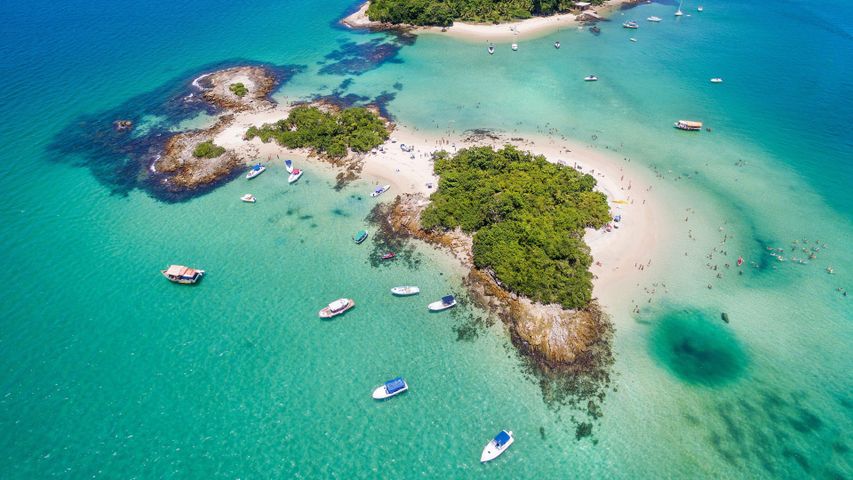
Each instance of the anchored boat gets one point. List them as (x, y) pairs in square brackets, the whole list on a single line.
[(405, 291), (294, 175), (182, 274), (360, 236), (688, 125), (255, 171), (446, 302), (590, 78), (380, 190), (632, 25), (390, 388), (288, 165), (514, 47), (248, 198), (337, 307), (497, 446)]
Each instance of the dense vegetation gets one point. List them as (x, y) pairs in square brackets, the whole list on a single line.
[(330, 133), (208, 149), (239, 89), (528, 217), (444, 12)]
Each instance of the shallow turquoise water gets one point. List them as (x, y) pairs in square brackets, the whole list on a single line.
[(109, 371)]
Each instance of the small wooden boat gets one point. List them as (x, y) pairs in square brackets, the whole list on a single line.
[(716, 80), (446, 302), (590, 78), (182, 274), (360, 236), (514, 47), (631, 25), (294, 175), (255, 171), (380, 190), (688, 125), (405, 291), (390, 388), (337, 307), (248, 198), (288, 165), (388, 256), (497, 446)]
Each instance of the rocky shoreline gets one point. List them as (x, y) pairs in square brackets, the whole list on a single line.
[(558, 340), (177, 170)]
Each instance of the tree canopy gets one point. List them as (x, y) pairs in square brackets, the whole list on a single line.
[(528, 218), (444, 12), (208, 149), (330, 133)]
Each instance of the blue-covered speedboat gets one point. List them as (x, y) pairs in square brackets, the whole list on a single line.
[(497, 446), (443, 304), (390, 388), (255, 171)]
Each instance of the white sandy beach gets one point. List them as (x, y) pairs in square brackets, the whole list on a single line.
[(504, 32), (622, 257)]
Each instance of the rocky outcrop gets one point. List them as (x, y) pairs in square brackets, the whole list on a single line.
[(179, 170), (258, 81), (558, 339)]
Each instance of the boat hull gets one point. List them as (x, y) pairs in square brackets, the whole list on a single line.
[(405, 291), (328, 313), (184, 281), (440, 306), (491, 451), (254, 173), (294, 177), (380, 393)]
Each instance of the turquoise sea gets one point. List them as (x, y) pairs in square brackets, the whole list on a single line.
[(109, 371)]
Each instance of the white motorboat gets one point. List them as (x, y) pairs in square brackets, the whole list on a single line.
[(337, 307), (294, 175), (654, 19), (590, 78), (632, 39), (514, 47), (380, 190), (248, 198), (255, 171), (716, 80), (405, 290), (557, 45), (497, 446), (632, 25), (446, 302), (288, 164), (699, 8), (390, 388), (491, 49)]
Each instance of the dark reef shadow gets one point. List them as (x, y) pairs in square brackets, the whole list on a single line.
[(119, 159)]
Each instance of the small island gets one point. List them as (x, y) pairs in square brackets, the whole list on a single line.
[(517, 222), (197, 160), (443, 13), (499, 20)]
